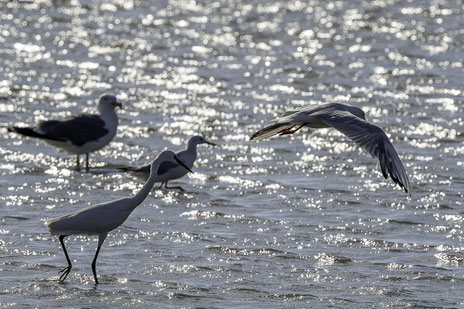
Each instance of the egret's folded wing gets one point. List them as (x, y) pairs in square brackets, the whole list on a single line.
[(373, 139)]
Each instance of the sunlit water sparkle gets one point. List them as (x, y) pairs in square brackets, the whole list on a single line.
[(297, 221)]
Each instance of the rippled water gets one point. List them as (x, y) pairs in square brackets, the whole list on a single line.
[(299, 221)]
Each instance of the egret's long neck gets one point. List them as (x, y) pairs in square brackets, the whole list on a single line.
[(142, 194)]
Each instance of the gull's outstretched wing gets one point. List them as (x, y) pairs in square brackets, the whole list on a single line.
[(286, 123), (371, 138)]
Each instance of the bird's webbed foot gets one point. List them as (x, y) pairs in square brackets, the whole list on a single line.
[(289, 130)]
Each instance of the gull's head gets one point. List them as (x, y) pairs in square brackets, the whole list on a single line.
[(362, 114), (356, 111), (108, 101), (197, 140), (170, 156)]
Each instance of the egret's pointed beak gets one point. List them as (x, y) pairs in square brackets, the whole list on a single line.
[(182, 164), (210, 143)]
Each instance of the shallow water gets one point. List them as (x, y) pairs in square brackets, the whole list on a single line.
[(298, 221)]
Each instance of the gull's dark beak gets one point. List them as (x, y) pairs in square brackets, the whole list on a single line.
[(182, 164), (116, 104)]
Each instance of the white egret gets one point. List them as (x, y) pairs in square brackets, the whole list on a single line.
[(103, 218), (349, 120), (80, 134)]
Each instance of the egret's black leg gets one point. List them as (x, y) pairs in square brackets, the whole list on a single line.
[(65, 271), (87, 161), (177, 187), (101, 239), (94, 266), (78, 164)]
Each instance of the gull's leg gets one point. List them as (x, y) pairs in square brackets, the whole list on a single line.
[(87, 161), (177, 187), (101, 239), (65, 271), (290, 131)]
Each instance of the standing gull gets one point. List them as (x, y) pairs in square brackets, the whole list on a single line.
[(103, 218), (81, 134), (169, 170), (350, 121)]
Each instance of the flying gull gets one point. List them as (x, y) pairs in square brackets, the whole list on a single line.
[(350, 121), (170, 170), (105, 217), (80, 134)]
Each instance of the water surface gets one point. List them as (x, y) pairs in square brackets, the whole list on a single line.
[(297, 221)]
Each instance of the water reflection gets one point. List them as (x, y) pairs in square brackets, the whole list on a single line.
[(311, 210)]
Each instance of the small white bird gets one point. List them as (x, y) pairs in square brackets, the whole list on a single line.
[(103, 218), (349, 120), (81, 134), (169, 170)]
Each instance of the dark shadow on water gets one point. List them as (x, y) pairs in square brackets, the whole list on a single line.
[(15, 218)]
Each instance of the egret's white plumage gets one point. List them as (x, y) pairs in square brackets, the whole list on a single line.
[(349, 120), (103, 218), (80, 134), (170, 171)]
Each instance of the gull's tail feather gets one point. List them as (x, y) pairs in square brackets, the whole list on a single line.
[(126, 169), (26, 131), (271, 130), (139, 172)]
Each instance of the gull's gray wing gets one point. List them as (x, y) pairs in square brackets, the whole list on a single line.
[(78, 130), (371, 138), (166, 166)]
